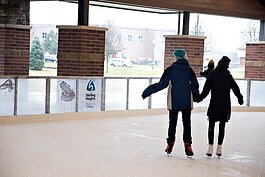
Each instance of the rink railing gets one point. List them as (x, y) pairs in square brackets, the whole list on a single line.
[(44, 95)]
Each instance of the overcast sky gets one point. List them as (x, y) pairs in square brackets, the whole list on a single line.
[(225, 31)]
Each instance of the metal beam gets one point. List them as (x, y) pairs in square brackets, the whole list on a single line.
[(186, 21), (83, 6), (262, 2), (179, 22)]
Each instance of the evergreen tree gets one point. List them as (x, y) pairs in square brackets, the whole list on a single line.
[(50, 44), (36, 55)]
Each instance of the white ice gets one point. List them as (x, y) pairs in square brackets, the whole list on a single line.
[(129, 146)]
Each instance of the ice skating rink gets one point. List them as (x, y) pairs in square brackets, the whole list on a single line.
[(121, 144)]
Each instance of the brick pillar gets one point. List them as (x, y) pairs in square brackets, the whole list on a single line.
[(255, 60), (14, 12), (81, 51), (193, 45), (14, 49), (14, 37)]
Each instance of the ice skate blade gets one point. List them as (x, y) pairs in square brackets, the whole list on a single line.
[(168, 154), (190, 157), (219, 156), (209, 155)]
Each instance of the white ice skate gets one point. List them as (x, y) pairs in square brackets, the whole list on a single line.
[(209, 153), (219, 151)]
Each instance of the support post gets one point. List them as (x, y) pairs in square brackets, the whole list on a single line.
[(103, 94), (186, 21), (83, 6), (248, 92), (127, 94), (150, 97), (48, 96)]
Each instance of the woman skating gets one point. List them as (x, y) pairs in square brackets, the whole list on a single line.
[(219, 82)]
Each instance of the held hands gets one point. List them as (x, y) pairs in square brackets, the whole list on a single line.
[(197, 98)]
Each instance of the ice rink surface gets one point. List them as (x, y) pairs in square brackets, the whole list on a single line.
[(130, 147)]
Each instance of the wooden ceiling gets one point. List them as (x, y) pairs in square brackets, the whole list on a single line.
[(252, 9), (235, 8)]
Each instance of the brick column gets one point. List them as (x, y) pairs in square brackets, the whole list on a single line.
[(14, 49), (81, 51), (193, 45), (255, 60)]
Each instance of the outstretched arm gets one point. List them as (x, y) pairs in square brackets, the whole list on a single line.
[(203, 73), (163, 83), (236, 91)]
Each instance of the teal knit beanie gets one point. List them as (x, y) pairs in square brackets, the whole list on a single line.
[(180, 54)]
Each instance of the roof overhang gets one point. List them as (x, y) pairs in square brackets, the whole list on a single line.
[(252, 9)]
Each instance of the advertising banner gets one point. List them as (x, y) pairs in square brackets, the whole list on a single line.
[(89, 95), (7, 91), (63, 95)]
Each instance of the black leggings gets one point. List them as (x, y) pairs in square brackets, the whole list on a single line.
[(211, 132)]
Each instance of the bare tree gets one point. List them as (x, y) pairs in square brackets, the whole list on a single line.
[(251, 32), (198, 30), (113, 41)]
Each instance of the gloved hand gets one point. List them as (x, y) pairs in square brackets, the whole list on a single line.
[(240, 101), (144, 94), (197, 99)]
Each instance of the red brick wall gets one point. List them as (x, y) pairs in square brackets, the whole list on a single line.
[(193, 45), (255, 60), (81, 51), (14, 50), (14, 12), (2, 50)]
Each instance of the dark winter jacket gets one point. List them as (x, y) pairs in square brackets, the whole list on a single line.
[(219, 82), (207, 71), (182, 86)]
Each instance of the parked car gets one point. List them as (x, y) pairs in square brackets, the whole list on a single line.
[(120, 62), (50, 59)]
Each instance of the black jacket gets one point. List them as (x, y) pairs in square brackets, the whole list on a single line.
[(219, 82)]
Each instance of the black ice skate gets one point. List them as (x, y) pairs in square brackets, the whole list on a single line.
[(169, 148), (188, 149)]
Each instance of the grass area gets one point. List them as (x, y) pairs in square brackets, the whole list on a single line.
[(237, 73), (137, 71), (50, 69), (43, 72)]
